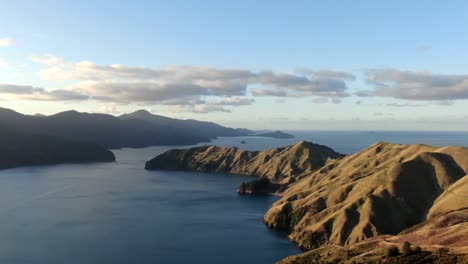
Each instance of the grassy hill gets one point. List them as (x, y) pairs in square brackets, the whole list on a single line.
[(278, 164), (383, 189)]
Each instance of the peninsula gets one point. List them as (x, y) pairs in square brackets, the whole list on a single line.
[(381, 196)]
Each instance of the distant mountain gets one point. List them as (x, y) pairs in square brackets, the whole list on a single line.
[(277, 134), (197, 128), (133, 130), (18, 150)]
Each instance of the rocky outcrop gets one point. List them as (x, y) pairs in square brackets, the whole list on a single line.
[(278, 165), (258, 186)]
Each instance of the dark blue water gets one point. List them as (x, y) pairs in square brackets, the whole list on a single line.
[(120, 213)]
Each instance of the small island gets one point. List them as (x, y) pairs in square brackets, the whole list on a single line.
[(276, 134)]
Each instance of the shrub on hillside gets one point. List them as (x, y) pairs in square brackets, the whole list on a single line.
[(392, 251), (406, 249)]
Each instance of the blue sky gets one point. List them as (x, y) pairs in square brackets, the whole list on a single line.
[(257, 64)]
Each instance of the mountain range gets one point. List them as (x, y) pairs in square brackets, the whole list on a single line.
[(74, 137), (138, 129)]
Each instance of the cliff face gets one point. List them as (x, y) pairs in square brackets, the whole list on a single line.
[(278, 164), (18, 150), (383, 189)]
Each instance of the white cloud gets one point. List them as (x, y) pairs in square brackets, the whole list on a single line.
[(47, 59), (234, 101), (320, 83), (26, 92), (199, 109), (412, 85), (268, 92), (188, 85), (324, 100), (6, 42), (330, 74), (404, 105), (320, 100), (109, 109)]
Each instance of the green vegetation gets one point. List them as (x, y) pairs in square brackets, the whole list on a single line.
[(406, 249), (257, 186), (297, 215), (392, 251)]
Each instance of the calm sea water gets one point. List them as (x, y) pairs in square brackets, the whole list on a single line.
[(348, 142), (120, 213)]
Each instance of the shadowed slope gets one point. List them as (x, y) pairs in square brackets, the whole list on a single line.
[(30, 150), (455, 198)]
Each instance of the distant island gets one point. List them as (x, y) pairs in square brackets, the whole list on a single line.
[(392, 202), (276, 134)]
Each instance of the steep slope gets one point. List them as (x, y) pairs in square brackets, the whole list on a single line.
[(105, 130), (443, 239), (455, 198), (275, 164), (27, 150), (383, 189)]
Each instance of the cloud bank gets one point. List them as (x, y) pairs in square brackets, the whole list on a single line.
[(195, 88), (411, 85), (36, 93), (204, 89)]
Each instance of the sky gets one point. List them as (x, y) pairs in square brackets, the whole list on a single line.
[(291, 65)]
